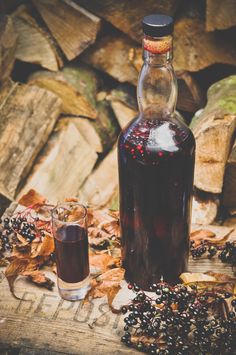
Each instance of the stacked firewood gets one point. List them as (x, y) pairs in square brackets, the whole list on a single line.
[(68, 71)]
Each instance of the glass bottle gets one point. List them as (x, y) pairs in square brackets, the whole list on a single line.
[(156, 154)]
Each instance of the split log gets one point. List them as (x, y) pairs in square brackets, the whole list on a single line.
[(73, 102), (87, 131), (122, 59), (124, 104), (7, 49), (78, 86), (229, 188), (73, 27), (112, 55), (204, 211), (214, 129), (34, 44), (127, 15), (27, 117), (195, 49), (102, 184), (64, 164), (220, 14)]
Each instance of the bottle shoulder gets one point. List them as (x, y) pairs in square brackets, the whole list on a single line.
[(158, 131)]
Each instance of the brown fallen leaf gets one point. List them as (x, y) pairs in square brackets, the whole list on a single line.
[(97, 217), (46, 248), (22, 251), (102, 262), (3, 262), (113, 228), (31, 198), (201, 234), (14, 269), (71, 199), (114, 214), (192, 277), (221, 277), (95, 232), (40, 279), (210, 280), (107, 284)]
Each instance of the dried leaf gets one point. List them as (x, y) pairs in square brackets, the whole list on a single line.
[(95, 232), (71, 199), (221, 277), (31, 198), (217, 235), (14, 269), (97, 218), (3, 262), (210, 280), (115, 214), (113, 228), (192, 277), (22, 251), (101, 262), (201, 234), (46, 248), (107, 284), (40, 279)]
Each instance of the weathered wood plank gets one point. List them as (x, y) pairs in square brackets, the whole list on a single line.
[(102, 184), (33, 44), (27, 118), (65, 163), (220, 14), (214, 129), (7, 48), (127, 15), (41, 320), (73, 27)]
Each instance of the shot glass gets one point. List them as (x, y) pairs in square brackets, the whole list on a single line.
[(69, 225)]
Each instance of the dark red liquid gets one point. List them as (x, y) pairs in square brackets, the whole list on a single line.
[(156, 164), (71, 244)]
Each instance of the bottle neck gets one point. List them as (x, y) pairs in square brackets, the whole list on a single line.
[(157, 51), (157, 85)]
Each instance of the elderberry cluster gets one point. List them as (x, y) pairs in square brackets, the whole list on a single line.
[(203, 248), (226, 253), (9, 229), (180, 320)]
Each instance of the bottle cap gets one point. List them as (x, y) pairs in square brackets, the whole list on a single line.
[(158, 25)]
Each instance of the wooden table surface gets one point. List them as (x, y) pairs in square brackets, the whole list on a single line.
[(43, 323)]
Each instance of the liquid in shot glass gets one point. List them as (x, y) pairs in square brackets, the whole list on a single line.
[(71, 245)]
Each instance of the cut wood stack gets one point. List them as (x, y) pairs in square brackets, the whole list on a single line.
[(80, 60), (214, 131)]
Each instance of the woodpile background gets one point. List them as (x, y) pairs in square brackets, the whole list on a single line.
[(68, 71)]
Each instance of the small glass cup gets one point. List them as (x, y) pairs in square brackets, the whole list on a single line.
[(69, 225)]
